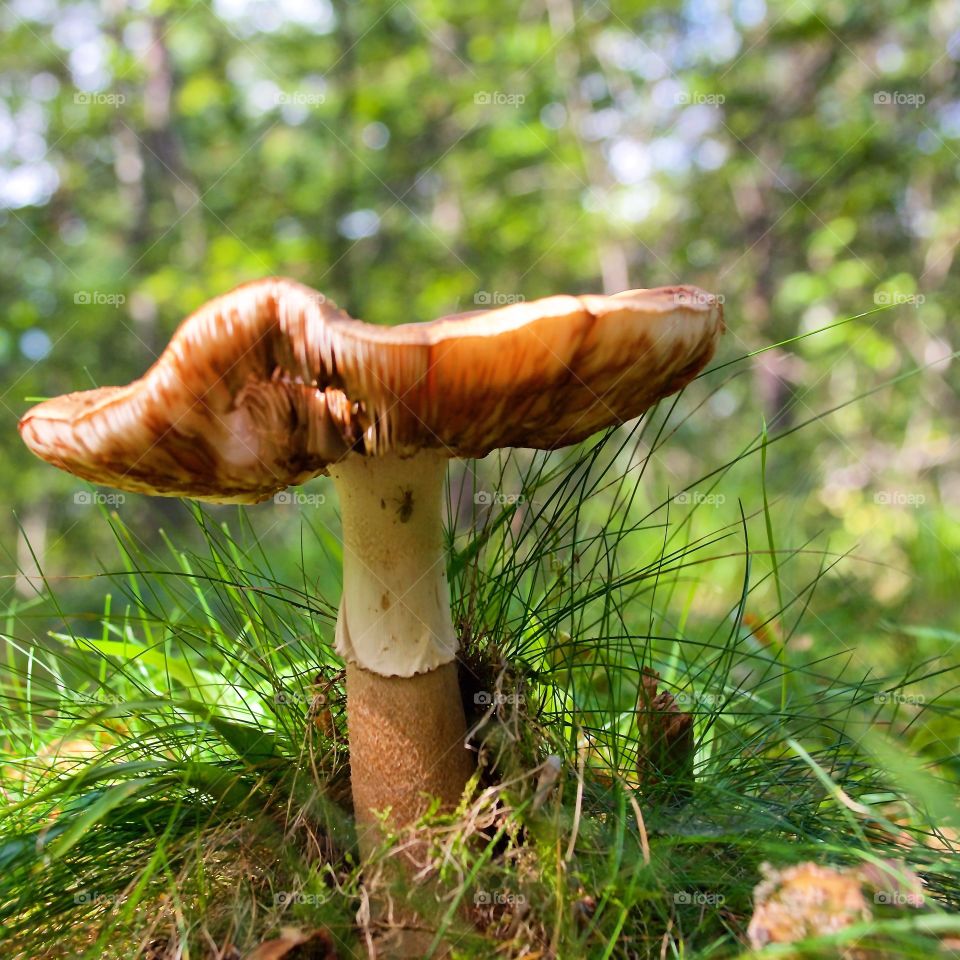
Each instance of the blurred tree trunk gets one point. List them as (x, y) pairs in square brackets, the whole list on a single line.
[(31, 549)]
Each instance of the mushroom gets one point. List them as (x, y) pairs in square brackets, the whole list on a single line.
[(272, 384)]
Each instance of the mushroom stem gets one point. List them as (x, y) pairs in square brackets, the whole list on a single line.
[(404, 710), (395, 611), (406, 745)]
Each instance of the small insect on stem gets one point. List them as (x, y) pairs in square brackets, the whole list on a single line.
[(404, 504)]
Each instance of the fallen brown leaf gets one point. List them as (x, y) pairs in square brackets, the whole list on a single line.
[(810, 900), (803, 901), (296, 944), (666, 744)]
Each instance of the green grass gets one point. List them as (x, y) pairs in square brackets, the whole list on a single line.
[(169, 777)]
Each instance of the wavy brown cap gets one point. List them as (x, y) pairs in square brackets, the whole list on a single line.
[(268, 385)]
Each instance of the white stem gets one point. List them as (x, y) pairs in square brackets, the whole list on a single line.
[(395, 611)]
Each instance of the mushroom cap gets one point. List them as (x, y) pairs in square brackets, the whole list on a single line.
[(268, 385)]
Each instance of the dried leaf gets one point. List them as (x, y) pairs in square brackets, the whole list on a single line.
[(666, 739), (809, 900), (295, 944)]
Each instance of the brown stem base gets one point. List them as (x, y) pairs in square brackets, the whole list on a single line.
[(406, 745)]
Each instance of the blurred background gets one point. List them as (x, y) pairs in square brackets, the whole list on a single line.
[(800, 158)]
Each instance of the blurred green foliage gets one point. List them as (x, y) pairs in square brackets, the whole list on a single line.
[(799, 158)]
